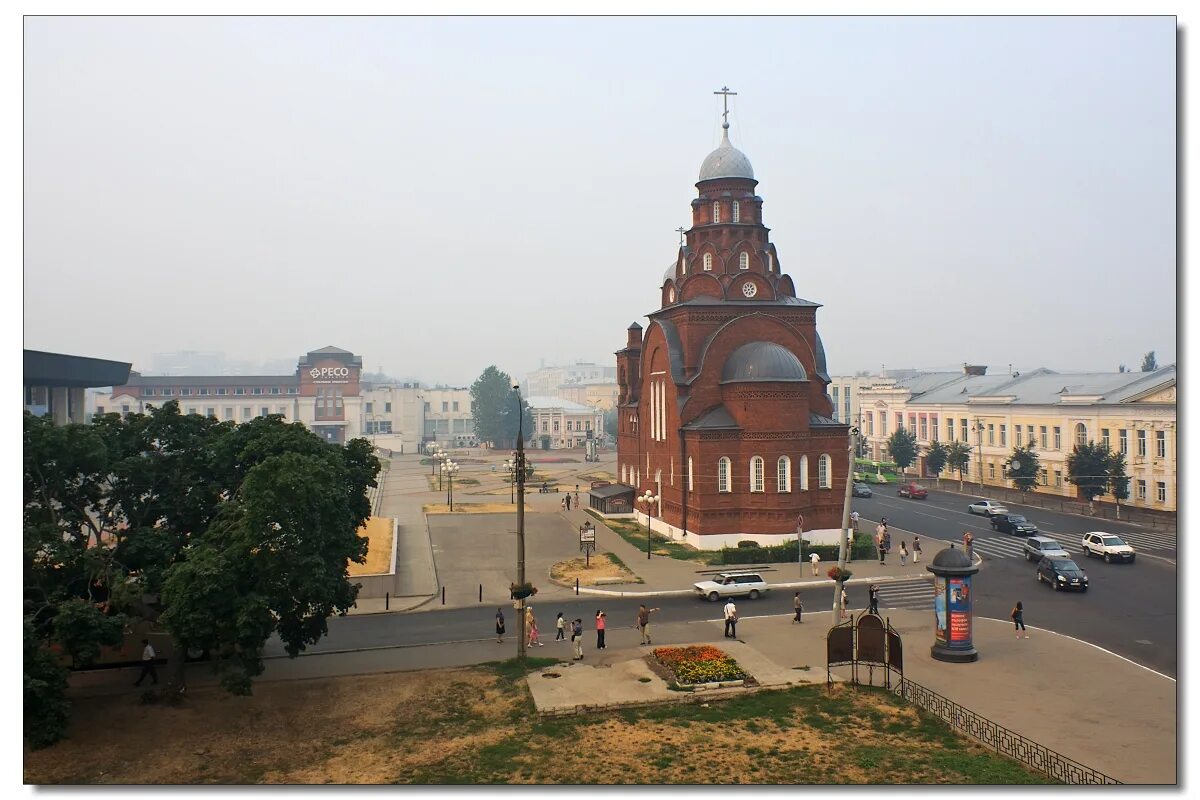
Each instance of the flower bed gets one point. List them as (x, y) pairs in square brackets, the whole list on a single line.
[(692, 665)]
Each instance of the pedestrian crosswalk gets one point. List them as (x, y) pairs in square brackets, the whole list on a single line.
[(1144, 540), (914, 594), (1008, 546)]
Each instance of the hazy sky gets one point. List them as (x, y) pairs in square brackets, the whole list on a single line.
[(438, 195)]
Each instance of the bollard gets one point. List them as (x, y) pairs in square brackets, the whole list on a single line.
[(577, 586), (481, 592), (386, 597), (443, 595)]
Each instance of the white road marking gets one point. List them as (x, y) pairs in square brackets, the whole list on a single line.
[(1089, 644)]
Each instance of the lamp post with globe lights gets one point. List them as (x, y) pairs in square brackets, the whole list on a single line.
[(519, 472), (649, 499), (512, 480), (450, 469)]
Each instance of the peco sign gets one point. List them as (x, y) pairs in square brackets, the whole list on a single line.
[(330, 374)]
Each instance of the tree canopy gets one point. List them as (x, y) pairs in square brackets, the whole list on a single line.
[(1089, 467), (935, 457), (958, 455), (221, 535), (495, 410), (902, 445), (1149, 362), (1024, 467)]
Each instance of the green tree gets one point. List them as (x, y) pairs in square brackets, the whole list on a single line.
[(958, 455), (610, 422), (46, 707), (902, 445), (1118, 482), (1149, 362), (495, 410), (1088, 467), (1122, 368), (1023, 467), (935, 458)]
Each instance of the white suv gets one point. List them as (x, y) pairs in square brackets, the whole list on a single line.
[(989, 508), (1109, 545), (732, 584)]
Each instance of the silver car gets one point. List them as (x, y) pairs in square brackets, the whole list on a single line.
[(1039, 547), (986, 507)]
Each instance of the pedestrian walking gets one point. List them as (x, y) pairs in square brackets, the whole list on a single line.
[(874, 592), (1018, 618), (561, 625), (600, 625), (568, 499), (798, 607), (499, 625), (577, 638), (879, 530), (814, 559), (577, 498), (148, 656), (903, 552), (845, 602), (531, 623), (854, 520), (887, 541), (730, 620), (643, 622), (916, 549), (563, 504)]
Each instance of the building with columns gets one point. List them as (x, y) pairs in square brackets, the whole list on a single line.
[(55, 384), (559, 424), (723, 410)]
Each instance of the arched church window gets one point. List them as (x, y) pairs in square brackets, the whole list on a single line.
[(744, 260), (756, 474), (737, 211), (804, 473), (716, 213), (823, 471), (783, 475), (723, 475), (671, 295), (708, 262)]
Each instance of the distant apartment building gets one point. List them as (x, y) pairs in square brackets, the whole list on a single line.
[(545, 382), (449, 420)]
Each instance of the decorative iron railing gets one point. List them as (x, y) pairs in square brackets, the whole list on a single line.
[(999, 738)]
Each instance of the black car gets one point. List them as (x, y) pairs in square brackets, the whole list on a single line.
[(861, 490), (1013, 523), (1062, 573)]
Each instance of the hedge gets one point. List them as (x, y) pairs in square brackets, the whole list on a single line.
[(780, 553)]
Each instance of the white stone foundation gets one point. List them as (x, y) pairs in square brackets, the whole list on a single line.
[(715, 541)]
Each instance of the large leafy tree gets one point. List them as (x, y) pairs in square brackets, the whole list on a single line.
[(495, 410), (1118, 481), (116, 513), (902, 445), (958, 455), (935, 458), (1088, 467), (1024, 466), (1149, 362)]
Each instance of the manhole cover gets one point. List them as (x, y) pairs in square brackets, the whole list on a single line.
[(551, 675), (1144, 641)]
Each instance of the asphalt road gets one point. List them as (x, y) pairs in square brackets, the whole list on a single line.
[(1130, 609)]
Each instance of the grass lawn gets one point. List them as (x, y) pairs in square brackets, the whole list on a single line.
[(478, 725), (660, 545)]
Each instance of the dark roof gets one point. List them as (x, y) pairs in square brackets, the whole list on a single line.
[(210, 380), (612, 490), (674, 348), (762, 361), (55, 369), (716, 417), (816, 419), (331, 350), (634, 327)]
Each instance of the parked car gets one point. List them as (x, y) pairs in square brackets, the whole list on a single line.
[(1013, 523), (732, 584), (986, 507), (1039, 547), (861, 490), (912, 491), (1109, 545), (1062, 573)]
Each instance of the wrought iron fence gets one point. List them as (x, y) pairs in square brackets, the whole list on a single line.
[(999, 738)]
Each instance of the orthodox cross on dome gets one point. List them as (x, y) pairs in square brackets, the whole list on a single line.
[(681, 231), (725, 99)]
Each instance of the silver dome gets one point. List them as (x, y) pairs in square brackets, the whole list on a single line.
[(726, 162), (762, 361)]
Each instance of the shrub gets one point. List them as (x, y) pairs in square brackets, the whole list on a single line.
[(786, 552)]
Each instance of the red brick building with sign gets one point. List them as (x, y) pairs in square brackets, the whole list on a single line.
[(723, 411)]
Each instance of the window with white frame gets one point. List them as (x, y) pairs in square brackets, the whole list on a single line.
[(991, 429), (1042, 433), (1080, 434), (783, 474), (723, 475), (1057, 438), (1123, 441), (933, 425), (965, 437), (1029, 434), (737, 211), (757, 484), (1141, 442), (1058, 479), (991, 470), (1104, 438), (1017, 436), (949, 429), (708, 262), (744, 260), (1160, 444), (824, 470), (1162, 492), (925, 428), (1141, 490), (716, 213), (804, 473)]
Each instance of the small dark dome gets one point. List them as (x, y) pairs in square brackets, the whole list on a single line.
[(952, 558), (762, 361)]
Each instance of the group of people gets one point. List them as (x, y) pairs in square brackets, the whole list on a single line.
[(883, 543), (576, 627)]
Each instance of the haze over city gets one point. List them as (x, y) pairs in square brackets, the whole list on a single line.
[(442, 194)]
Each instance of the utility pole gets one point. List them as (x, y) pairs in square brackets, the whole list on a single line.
[(979, 451), (837, 586), (519, 465)]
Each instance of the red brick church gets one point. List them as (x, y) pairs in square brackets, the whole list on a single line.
[(723, 411)]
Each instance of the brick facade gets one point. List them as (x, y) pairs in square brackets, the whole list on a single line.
[(690, 390)]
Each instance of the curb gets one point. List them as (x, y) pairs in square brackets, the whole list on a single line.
[(826, 582)]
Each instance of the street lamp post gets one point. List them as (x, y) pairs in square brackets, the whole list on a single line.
[(431, 449), (649, 498), (512, 480), (979, 444), (519, 466), (837, 585), (450, 469)]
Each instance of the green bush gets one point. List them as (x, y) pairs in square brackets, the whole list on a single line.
[(786, 552)]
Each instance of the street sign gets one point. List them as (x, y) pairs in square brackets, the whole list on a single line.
[(587, 536)]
